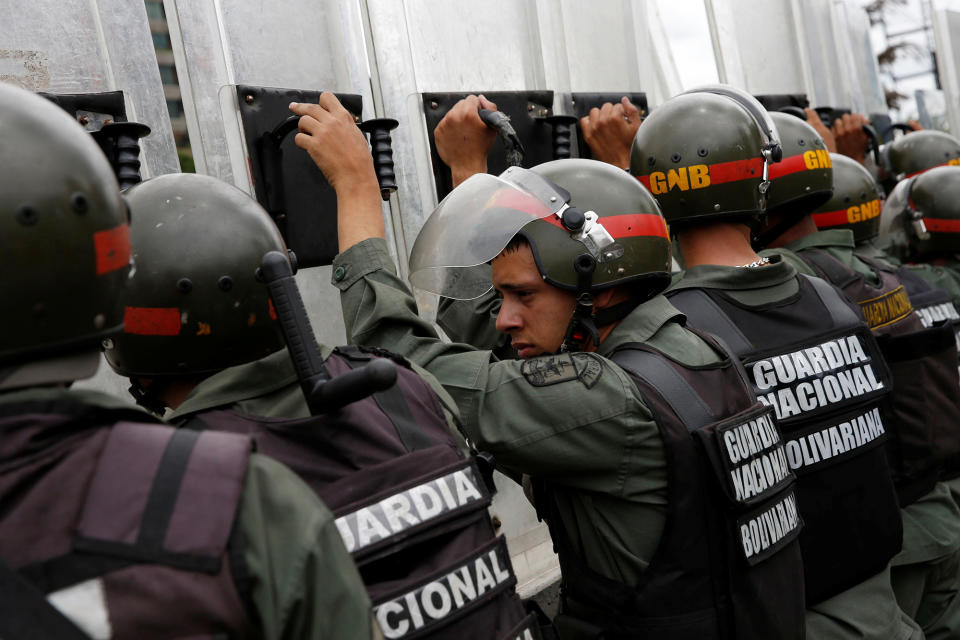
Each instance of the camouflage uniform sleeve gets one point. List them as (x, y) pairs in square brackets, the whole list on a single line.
[(562, 417), (303, 583)]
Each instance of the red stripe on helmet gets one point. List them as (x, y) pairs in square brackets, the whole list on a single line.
[(787, 166), (916, 173), (736, 170), (152, 321), (635, 224), (723, 172), (112, 248), (942, 225), (831, 218)]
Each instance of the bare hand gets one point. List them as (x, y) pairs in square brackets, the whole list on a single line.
[(813, 119), (609, 131), (338, 147), (916, 126), (850, 136), (463, 140), (330, 135)]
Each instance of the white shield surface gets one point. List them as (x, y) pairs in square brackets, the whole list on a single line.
[(90, 47), (946, 29), (299, 44)]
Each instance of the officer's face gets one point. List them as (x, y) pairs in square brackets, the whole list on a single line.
[(534, 314)]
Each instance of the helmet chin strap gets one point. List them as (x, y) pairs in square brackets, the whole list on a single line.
[(586, 321), (147, 397)]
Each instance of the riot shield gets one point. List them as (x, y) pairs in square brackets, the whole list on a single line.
[(239, 64), (946, 31), (759, 46), (857, 61), (108, 47)]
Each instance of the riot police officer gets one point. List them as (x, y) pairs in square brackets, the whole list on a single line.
[(922, 359), (597, 409), (708, 156), (219, 363), (130, 528)]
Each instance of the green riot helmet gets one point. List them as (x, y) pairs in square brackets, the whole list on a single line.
[(64, 242), (705, 155), (801, 182), (914, 153), (926, 210), (856, 201), (194, 304), (590, 226)]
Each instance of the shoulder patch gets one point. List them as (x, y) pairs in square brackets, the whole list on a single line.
[(544, 371)]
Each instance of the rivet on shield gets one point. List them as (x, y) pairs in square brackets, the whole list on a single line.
[(248, 98)]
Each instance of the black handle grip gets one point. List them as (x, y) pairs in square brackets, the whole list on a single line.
[(562, 129), (902, 127), (294, 322), (873, 142), (500, 122), (382, 149), (355, 385), (119, 141)]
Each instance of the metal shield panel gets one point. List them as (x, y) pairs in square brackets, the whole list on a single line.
[(304, 44), (90, 47), (946, 30)]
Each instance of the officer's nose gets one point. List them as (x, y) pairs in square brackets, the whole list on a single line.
[(508, 319)]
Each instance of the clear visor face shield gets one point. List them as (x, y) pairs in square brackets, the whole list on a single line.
[(772, 150), (476, 221)]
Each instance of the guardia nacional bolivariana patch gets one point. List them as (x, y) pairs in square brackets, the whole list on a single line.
[(544, 371)]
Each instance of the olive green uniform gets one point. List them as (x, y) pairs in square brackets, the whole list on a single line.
[(303, 583), (926, 572), (590, 434)]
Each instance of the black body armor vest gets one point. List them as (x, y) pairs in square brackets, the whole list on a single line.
[(815, 362), (141, 514), (935, 307), (410, 505), (925, 400), (732, 525)]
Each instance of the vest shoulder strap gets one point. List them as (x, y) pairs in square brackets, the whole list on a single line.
[(164, 495), (394, 405), (707, 315), (659, 374), (26, 613), (829, 268), (840, 312)]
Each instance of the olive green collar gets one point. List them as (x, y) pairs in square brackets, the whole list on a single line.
[(85, 396), (241, 382), (642, 323), (836, 238), (712, 276)]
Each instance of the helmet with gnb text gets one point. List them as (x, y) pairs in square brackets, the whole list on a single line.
[(590, 226), (856, 200), (705, 155), (925, 210), (801, 182), (64, 238), (195, 304)]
